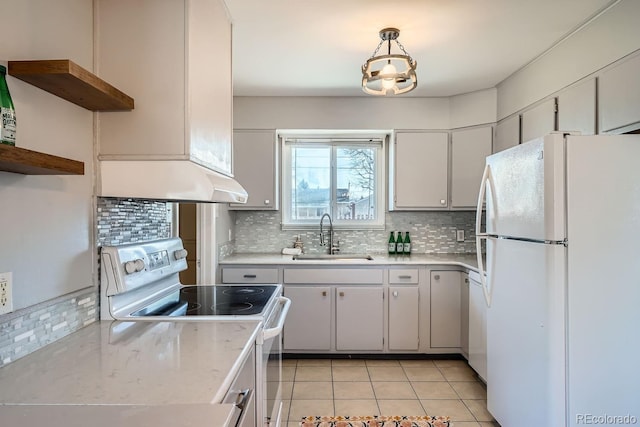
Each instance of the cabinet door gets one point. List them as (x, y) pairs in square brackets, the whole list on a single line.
[(619, 96), (477, 329), (254, 167), (445, 309), (539, 120), (469, 148), (420, 170), (359, 318), (507, 134), (577, 108), (403, 318), (464, 315), (308, 325), (174, 57)]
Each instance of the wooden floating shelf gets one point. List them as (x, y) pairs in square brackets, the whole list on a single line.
[(27, 162), (69, 81)]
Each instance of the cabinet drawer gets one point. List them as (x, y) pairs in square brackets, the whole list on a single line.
[(408, 275), (249, 275), (334, 276)]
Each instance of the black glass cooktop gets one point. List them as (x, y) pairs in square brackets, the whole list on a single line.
[(211, 301)]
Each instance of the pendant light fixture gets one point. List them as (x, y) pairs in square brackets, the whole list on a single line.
[(389, 74)]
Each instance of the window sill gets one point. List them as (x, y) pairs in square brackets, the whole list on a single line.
[(316, 226)]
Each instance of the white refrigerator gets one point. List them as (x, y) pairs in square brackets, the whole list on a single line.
[(563, 281)]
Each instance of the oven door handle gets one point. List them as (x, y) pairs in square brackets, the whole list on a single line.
[(275, 331)]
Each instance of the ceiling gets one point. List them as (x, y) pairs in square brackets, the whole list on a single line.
[(317, 47)]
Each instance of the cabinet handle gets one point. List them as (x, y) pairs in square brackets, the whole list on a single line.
[(404, 276), (466, 280), (324, 293), (341, 294), (267, 201), (437, 277), (249, 276), (443, 202), (395, 293)]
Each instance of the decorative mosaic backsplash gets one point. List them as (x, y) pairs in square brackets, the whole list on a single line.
[(431, 232), (122, 221), (32, 328), (119, 221)]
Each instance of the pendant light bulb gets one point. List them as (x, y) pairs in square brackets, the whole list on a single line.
[(389, 69)]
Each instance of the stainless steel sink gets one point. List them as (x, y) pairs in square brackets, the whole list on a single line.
[(335, 257)]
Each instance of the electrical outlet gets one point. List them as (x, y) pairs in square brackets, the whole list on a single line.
[(460, 235), (6, 300)]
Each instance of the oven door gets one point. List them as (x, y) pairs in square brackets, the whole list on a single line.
[(270, 376)]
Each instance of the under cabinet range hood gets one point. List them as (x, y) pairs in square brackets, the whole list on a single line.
[(171, 180)]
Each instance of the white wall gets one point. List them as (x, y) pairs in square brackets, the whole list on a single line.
[(473, 108), (47, 222), (340, 113), (364, 112), (609, 37)]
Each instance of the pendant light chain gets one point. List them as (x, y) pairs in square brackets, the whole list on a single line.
[(375, 52), (402, 49)]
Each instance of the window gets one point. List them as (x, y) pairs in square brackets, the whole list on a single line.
[(343, 177)]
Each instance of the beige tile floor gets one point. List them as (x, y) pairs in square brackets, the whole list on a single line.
[(384, 387)]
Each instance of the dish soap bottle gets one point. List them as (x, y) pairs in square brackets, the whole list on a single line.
[(8, 113)]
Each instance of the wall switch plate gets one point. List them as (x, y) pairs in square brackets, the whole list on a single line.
[(459, 235), (6, 298)]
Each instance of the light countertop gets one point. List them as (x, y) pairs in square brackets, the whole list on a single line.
[(115, 415), (114, 365), (467, 261)]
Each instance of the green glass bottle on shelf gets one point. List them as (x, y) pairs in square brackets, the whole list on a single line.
[(406, 247), (399, 244), (8, 113), (392, 244)]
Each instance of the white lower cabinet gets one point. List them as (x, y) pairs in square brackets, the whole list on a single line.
[(308, 325), (359, 318), (464, 315), (477, 327), (404, 319), (445, 309)]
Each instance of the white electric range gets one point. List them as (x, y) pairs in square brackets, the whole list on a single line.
[(140, 282)]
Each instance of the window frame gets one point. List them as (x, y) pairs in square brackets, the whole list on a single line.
[(377, 140)]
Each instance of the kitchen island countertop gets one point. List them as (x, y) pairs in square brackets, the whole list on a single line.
[(125, 370), (467, 261)]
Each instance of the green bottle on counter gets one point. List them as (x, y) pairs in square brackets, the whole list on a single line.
[(7, 112), (399, 244), (407, 244), (392, 244)]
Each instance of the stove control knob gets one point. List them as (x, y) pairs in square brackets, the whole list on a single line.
[(180, 254), (134, 266)]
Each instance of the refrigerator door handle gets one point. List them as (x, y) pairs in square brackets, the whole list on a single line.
[(486, 178)]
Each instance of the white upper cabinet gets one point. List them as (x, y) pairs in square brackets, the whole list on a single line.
[(254, 167), (539, 120), (419, 171), (619, 97), (577, 108), (469, 148), (507, 133), (174, 58)]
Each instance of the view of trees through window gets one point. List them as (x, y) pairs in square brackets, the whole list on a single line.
[(335, 179)]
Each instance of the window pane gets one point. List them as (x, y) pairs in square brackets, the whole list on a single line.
[(311, 182), (356, 184)]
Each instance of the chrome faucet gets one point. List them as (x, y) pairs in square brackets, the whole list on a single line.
[(334, 246)]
